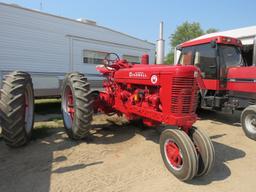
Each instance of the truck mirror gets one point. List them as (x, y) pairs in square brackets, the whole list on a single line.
[(178, 48), (213, 44)]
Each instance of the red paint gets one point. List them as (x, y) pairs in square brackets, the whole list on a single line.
[(173, 154), (218, 39), (71, 109), (242, 87), (169, 97), (145, 59), (242, 72), (242, 79), (212, 84)]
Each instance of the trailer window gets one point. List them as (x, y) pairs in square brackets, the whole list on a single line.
[(93, 57), (132, 59), (205, 59), (231, 56)]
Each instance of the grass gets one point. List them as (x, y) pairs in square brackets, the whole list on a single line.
[(46, 129), (45, 107), (56, 120)]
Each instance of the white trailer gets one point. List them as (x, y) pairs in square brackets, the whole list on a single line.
[(49, 46)]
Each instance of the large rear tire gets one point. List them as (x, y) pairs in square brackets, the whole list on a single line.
[(248, 121), (205, 151), (17, 109), (179, 154), (77, 105)]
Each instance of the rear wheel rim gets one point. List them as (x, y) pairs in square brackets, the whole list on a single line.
[(250, 123), (173, 154), (28, 109), (68, 107)]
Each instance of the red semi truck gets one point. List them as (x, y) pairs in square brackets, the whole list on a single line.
[(230, 83)]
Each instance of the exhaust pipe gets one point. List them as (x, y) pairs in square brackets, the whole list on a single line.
[(254, 52), (160, 46)]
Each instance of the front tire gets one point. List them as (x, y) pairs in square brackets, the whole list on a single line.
[(77, 105), (248, 121), (205, 151), (179, 154), (17, 109)]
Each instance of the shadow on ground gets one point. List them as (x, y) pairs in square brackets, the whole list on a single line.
[(220, 171), (44, 108), (115, 130), (75, 167), (29, 168), (221, 117)]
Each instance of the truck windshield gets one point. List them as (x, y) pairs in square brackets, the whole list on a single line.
[(203, 56), (230, 55)]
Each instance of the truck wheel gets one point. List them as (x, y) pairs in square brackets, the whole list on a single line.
[(179, 154), (17, 109), (205, 151), (77, 105), (248, 121)]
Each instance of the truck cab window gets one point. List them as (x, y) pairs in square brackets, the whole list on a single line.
[(230, 56), (186, 56), (205, 59)]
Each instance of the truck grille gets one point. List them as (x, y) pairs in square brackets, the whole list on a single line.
[(184, 95)]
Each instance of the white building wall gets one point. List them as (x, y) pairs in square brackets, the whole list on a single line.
[(49, 46)]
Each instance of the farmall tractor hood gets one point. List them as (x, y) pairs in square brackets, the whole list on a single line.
[(151, 74)]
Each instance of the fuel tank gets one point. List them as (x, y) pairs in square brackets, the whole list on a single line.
[(242, 79)]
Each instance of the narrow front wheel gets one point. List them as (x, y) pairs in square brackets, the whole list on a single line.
[(179, 154), (205, 151)]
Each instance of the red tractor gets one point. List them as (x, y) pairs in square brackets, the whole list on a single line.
[(156, 94), (229, 84)]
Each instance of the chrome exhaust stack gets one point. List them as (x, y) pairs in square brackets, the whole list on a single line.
[(254, 52), (160, 46)]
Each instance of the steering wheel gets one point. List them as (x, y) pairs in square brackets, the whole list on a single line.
[(108, 62)]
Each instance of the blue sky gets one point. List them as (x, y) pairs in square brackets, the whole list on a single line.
[(141, 18)]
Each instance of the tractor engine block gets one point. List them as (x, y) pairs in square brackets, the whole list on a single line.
[(155, 94), (144, 97)]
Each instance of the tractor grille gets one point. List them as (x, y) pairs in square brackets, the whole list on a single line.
[(184, 95)]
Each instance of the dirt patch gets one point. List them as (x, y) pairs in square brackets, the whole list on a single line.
[(119, 156)]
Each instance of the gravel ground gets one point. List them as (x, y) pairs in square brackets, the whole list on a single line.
[(119, 156)]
